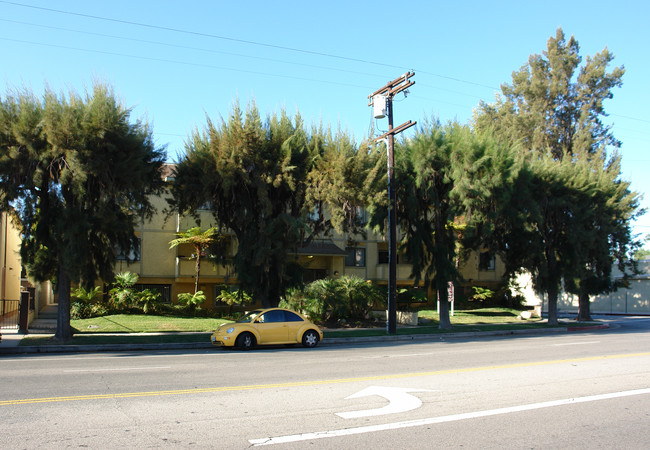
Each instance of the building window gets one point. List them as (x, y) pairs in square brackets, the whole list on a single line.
[(382, 257), (355, 257), (486, 261)]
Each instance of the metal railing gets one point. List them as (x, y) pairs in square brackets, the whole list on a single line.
[(9, 314)]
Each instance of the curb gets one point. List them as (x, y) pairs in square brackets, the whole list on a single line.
[(594, 327), (325, 341)]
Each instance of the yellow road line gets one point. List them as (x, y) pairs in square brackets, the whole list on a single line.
[(310, 383)]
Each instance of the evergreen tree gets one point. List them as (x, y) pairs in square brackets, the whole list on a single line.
[(77, 175), (435, 173), (606, 229), (554, 108), (261, 180), (554, 105), (344, 179)]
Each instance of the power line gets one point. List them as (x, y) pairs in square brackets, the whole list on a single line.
[(187, 47), (209, 66), (231, 39), (242, 41), (631, 118), (197, 33)]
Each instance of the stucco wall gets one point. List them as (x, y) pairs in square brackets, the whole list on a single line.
[(635, 300)]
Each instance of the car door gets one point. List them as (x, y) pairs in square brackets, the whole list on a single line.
[(272, 327), (294, 323)]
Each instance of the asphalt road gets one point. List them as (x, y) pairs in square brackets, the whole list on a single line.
[(575, 390)]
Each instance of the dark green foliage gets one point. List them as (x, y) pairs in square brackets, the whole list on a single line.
[(262, 182), (150, 302), (441, 174), (481, 294), (411, 298), (122, 295), (566, 215), (87, 303), (554, 105), (191, 301), (77, 175), (232, 298), (334, 300)]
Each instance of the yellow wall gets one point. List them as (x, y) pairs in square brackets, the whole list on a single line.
[(161, 265), (10, 263)]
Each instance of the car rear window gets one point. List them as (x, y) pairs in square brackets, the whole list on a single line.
[(291, 317)]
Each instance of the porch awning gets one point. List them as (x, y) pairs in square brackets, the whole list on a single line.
[(321, 248)]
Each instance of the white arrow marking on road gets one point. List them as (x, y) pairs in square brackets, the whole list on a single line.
[(442, 419), (399, 400)]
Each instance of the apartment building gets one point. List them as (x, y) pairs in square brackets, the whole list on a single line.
[(171, 271)]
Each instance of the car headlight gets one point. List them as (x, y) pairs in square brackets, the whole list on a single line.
[(230, 330)]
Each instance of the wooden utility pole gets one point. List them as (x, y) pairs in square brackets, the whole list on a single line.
[(384, 97)]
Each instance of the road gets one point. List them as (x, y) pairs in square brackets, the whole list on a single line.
[(567, 390)]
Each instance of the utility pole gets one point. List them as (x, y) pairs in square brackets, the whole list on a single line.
[(382, 102)]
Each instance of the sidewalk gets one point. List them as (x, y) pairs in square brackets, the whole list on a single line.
[(11, 340)]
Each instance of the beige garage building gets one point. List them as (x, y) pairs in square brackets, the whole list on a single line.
[(635, 300)]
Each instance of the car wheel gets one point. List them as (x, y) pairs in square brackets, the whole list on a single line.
[(245, 341), (310, 339)]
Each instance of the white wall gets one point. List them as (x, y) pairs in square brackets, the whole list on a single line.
[(635, 300)]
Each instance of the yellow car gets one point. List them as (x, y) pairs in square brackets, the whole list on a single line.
[(271, 326)]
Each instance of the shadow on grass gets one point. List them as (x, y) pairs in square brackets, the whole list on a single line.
[(506, 314)]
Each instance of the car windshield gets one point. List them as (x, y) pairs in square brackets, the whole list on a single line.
[(248, 318)]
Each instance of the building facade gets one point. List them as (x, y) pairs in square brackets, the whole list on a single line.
[(172, 271)]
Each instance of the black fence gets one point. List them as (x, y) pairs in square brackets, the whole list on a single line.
[(9, 314)]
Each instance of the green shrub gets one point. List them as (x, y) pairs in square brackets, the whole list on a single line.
[(149, 301), (347, 298), (122, 296), (411, 296), (191, 301), (238, 297), (86, 304), (481, 294)]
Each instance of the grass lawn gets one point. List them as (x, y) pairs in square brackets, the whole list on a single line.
[(140, 323), (479, 316), (171, 329)]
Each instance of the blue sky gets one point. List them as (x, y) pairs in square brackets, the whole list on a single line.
[(176, 62)]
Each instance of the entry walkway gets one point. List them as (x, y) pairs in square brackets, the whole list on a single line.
[(10, 338)]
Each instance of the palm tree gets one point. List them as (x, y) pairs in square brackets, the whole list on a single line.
[(200, 240)]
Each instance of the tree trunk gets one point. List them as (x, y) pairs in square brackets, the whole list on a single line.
[(584, 305), (198, 270), (63, 329), (552, 307), (443, 312)]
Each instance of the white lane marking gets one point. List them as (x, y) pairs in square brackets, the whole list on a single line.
[(404, 355), (121, 356), (118, 369), (442, 419), (577, 343), (399, 400)]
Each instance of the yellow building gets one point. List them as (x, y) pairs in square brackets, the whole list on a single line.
[(14, 284)]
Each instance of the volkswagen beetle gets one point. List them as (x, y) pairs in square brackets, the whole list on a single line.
[(272, 326)]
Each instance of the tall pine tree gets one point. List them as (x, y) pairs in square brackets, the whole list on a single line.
[(270, 183), (555, 108), (77, 175)]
